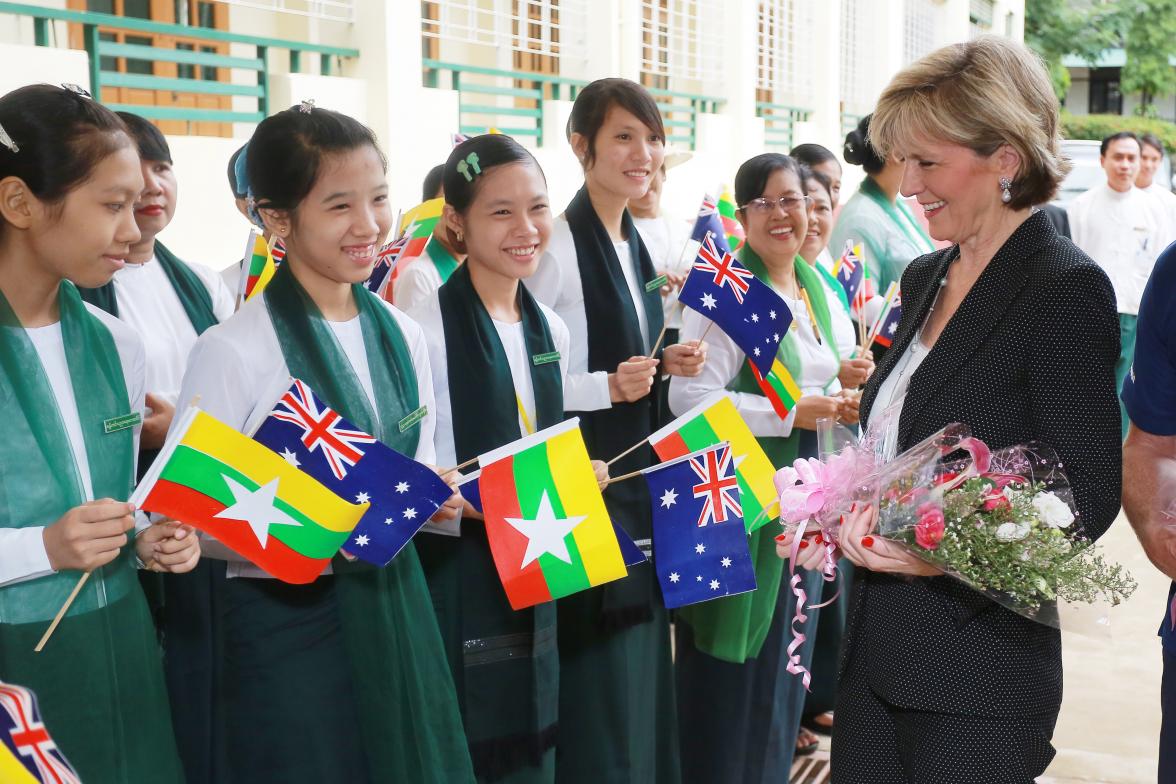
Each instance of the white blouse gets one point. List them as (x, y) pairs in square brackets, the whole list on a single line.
[(556, 283), (416, 281), (724, 360), (238, 371), (22, 550)]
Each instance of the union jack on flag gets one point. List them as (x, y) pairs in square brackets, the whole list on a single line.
[(381, 278), (708, 224), (30, 753), (278, 252), (718, 487), (726, 270), (322, 429)]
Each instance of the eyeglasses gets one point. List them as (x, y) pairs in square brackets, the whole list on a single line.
[(764, 206)]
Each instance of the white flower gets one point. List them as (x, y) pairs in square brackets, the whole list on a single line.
[(1012, 532), (1054, 511)]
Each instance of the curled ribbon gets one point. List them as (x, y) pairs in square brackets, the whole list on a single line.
[(829, 574)]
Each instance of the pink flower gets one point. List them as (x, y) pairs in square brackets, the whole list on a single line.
[(929, 529), (994, 500)]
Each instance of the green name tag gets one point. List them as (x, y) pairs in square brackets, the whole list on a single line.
[(413, 419), (115, 424), (656, 283), (545, 359)]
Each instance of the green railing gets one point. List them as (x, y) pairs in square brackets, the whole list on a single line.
[(849, 122), (480, 90), (780, 123), (105, 56)]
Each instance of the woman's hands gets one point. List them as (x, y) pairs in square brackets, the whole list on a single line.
[(875, 553), (168, 546), (155, 426), (89, 536), (600, 468), (855, 372), (811, 551), (632, 380), (685, 359), (810, 408)]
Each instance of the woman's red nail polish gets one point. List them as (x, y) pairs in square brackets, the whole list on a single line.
[(781, 537), (803, 543), (867, 541), (853, 508)]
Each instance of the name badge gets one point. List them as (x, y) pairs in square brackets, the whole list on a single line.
[(115, 424), (545, 359), (413, 419), (656, 283)]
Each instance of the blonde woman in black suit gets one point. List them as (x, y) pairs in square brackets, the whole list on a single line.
[(1012, 330)]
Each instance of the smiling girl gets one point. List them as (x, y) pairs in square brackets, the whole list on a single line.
[(343, 679)]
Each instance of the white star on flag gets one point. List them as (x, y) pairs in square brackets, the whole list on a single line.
[(410, 514), (546, 533), (754, 318), (698, 578), (362, 498), (255, 508), (402, 487), (362, 540), (387, 521), (757, 351), (669, 498), (892, 328), (714, 584), (726, 562), (700, 548), (776, 336), (410, 229), (675, 577), (708, 302), (290, 458), (772, 315)]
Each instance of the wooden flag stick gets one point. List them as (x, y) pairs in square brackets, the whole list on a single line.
[(657, 343), (61, 613), (459, 467), (623, 477), (628, 451)]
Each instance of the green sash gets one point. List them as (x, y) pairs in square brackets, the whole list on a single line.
[(900, 215), (442, 259), (190, 289), (734, 628), (99, 680), (404, 692)]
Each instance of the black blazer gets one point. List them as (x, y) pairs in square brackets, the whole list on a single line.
[(1029, 355)]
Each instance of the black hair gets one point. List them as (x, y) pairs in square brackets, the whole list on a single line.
[(813, 154), (753, 175), (594, 101), (479, 155), (234, 186), (820, 178), (1114, 137), (859, 151), (287, 151), (148, 139), (60, 136), (1152, 141), (433, 182)]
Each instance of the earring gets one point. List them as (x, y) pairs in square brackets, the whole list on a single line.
[(461, 236), (1005, 195)]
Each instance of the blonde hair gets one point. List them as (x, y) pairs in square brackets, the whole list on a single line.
[(981, 94)]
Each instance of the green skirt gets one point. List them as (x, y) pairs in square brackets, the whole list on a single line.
[(99, 685)]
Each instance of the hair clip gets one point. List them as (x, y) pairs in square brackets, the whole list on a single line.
[(7, 141), (306, 106), (76, 89), (470, 162)]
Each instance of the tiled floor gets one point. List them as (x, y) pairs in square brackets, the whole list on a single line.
[(1110, 719)]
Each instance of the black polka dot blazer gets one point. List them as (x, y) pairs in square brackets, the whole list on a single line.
[(1029, 355)]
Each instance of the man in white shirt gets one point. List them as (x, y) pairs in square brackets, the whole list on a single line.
[(1150, 157), (1123, 229)]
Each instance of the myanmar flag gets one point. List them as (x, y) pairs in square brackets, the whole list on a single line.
[(778, 386), (418, 224), (549, 531), (712, 422), (258, 266), (731, 225), (251, 499)]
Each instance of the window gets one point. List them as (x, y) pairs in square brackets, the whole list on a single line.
[(918, 29), (785, 52), (682, 41), (1105, 97)]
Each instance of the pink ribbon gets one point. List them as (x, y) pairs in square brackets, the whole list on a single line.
[(829, 574)]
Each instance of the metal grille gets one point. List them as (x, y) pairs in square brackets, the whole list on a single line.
[(334, 10), (786, 50), (544, 27), (856, 46), (682, 40), (980, 16), (918, 29)]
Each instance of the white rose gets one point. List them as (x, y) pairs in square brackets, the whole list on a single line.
[(1054, 511), (1012, 532)]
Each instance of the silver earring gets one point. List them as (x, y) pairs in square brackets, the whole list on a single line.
[(1005, 195)]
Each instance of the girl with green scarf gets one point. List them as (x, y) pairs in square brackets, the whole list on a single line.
[(739, 710), (499, 359), (72, 383), (344, 679)]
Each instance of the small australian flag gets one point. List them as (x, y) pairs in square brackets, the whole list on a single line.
[(699, 541), (355, 466), (743, 306), (709, 224)]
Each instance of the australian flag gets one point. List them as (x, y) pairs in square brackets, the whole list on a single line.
[(888, 323), (709, 224), (850, 272), (699, 542), (23, 736), (746, 308), (386, 259), (403, 493)]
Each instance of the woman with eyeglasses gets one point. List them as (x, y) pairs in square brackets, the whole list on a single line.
[(739, 709)]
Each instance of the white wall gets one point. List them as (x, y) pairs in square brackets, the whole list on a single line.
[(27, 64)]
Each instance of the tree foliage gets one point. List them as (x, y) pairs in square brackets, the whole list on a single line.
[(1150, 42), (1057, 28)]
